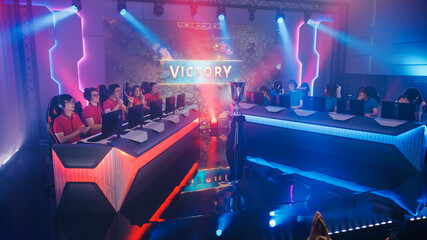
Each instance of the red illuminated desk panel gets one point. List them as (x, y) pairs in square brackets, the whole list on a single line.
[(113, 167)]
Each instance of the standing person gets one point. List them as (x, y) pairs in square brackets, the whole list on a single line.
[(92, 113), (152, 95), (331, 98), (296, 95), (414, 96), (371, 105), (114, 102), (68, 126), (305, 88), (264, 90)]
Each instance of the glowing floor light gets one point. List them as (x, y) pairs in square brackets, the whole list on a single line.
[(123, 12), (280, 20), (221, 17), (272, 213), (218, 232), (272, 223)]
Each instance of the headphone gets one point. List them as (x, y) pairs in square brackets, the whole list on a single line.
[(61, 103), (61, 100)]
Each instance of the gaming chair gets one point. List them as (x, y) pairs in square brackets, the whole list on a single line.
[(52, 112), (103, 94)]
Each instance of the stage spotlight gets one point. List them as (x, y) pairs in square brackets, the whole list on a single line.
[(121, 7), (272, 213), (280, 16), (251, 13), (218, 232), (158, 8), (272, 223), (307, 17), (193, 9), (221, 12), (76, 5)]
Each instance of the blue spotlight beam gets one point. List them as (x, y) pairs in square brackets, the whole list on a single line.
[(288, 48), (224, 29), (148, 36), (45, 21), (354, 43)]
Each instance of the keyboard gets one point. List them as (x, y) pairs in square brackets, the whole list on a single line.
[(102, 137), (98, 138)]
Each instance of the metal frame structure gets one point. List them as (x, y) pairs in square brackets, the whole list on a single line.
[(29, 80), (339, 11)]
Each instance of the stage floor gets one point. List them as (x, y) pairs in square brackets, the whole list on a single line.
[(284, 197)]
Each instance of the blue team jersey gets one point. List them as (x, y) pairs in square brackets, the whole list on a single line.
[(331, 103), (296, 97), (370, 104)]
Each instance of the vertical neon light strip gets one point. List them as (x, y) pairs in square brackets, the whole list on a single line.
[(50, 55), (83, 57), (315, 25), (299, 77)]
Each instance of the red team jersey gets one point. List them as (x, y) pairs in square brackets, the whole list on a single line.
[(94, 112), (152, 97), (110, 104), (67, 125)]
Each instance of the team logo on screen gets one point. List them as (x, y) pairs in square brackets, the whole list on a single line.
[(201, 71)]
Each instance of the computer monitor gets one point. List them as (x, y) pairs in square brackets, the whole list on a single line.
[(258, 98), (180, 101), (406, 111), (389, 109), (357, 107), (285, 100), (314, 103), (401, 111), (156, 109), (343, 106), (274, 100), (170, 105), (112, 123), (249, 97), (136, 115)]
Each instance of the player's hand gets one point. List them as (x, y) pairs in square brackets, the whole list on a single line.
[(120, 102), (83, 129)]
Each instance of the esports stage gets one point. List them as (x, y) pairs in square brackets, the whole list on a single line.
[(213, 119)]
